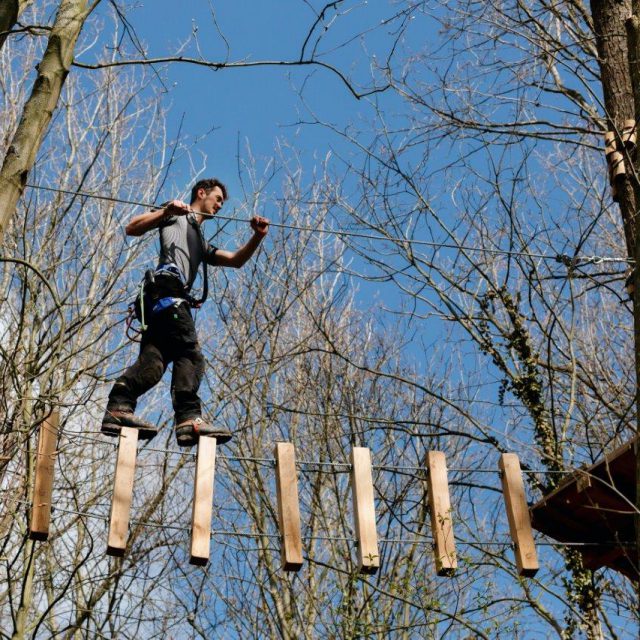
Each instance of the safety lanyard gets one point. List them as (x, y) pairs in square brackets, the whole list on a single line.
[(205, 279)]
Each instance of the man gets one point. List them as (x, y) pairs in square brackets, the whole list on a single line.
[(170, 334)]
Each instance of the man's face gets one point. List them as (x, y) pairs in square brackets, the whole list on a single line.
[(211, 202)]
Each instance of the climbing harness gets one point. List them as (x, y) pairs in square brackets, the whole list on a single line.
[(145, 306)]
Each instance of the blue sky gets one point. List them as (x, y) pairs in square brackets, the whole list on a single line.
[(258, 106), (262, 105), (255, 106)]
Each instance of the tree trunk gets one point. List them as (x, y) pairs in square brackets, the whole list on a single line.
[(28, 569), (39, 108), (633, 30), (27, 593), (10, 11), (609, 18)]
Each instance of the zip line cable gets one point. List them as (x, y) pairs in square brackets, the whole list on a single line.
[(567, 260), (353, 541), (276, 536), (311, 463), (346, 466)]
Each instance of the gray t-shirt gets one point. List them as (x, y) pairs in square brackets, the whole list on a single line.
[(182, 243)]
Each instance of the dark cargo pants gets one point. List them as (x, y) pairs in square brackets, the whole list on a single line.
[(170, 337)]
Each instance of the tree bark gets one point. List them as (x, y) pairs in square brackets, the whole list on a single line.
[(618, 52), (38, 110), (633, 31), (10, 11), (27, 593), (609, 18)]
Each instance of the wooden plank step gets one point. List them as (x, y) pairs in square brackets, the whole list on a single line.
[(122, 491), (288, 506), (43, 485)]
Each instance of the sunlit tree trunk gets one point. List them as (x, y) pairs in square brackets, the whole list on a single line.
[(10, 11), (39, 108)]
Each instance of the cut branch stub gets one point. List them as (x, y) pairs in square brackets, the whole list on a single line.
[(629, 134), (615, 195), (616, 166), (610, 143)]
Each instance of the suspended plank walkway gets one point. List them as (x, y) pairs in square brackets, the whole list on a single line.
[(288, 507)]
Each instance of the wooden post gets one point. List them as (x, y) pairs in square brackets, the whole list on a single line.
[(203, 501), (288, 506), (122, 491), (364, 514), (43, 485), (441, 520), (518, 515)]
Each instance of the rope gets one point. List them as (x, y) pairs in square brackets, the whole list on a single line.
[(277, 536), (567, 260), (312, 463)]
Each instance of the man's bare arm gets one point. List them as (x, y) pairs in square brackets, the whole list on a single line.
[(144, 222), (238, 258)]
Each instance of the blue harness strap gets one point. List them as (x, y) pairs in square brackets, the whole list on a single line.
[(169, 269), (165, 303)]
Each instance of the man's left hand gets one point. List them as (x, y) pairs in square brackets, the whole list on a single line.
[(260, 225)]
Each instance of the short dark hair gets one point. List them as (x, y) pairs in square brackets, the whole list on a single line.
[(207, 184)]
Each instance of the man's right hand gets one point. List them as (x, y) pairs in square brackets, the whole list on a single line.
[(176, 208), (144, 222)]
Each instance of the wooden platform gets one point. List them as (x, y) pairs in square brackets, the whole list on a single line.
[(596, 505)]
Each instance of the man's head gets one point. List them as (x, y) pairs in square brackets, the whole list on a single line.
[(209, 194)]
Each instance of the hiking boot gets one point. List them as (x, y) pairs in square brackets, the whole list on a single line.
[(115, 419), (188, 432)]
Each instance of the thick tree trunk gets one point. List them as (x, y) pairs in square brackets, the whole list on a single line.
[(39, 108), (10, 11), (609, 17), (633, 29), (617, 42)]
